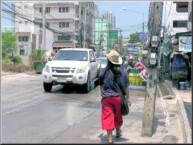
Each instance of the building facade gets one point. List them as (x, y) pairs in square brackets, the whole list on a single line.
[(175, 17), (5, 29), (24, 30), (190, 16), (68, 24), (102, 28), (109, 16)]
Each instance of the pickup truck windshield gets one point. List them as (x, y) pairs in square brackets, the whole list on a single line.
[(72, 55)]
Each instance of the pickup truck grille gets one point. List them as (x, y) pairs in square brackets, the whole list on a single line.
[(66, 76), (63, 70)]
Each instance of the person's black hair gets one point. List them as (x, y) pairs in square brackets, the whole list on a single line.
[(116, 70)]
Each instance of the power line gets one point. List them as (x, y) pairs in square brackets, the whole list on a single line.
[(19, 15), (169, 13)]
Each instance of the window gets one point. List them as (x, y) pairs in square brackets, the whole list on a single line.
[(23, 38), (19, 7), (63, 37), (20, 22), (64, 24), (179, 24), (26, 22), (25, 7), (47, 24), (48, 10), (22, 50), (71, 55), (63, 9)]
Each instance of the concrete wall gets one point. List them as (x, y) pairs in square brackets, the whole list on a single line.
[(28, 50)]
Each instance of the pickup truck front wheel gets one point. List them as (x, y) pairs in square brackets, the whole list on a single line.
[(87, 85), (47, 87)]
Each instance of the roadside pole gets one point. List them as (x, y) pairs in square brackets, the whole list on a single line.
[(84, 28), (43, 27), (151, 88), (121, 51)]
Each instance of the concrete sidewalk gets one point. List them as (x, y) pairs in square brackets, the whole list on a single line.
[(184, 104), (166, 126)]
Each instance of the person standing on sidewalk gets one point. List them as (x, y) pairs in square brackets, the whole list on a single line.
[(111, 117)]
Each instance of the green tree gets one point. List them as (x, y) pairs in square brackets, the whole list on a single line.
[(134, 37), (9, 46)]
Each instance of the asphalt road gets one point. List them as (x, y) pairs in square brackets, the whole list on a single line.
[(29, 115)]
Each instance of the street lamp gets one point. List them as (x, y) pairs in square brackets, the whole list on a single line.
[(125, 9)]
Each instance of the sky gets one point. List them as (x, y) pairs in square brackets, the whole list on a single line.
[(129, 21), (126, 18)]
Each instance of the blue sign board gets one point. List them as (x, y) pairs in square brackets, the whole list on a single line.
[(142, 36), (185, 43)]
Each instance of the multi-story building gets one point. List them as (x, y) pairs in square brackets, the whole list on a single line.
[(175, 17), (5, 29), (102, 28), (68, 24), (24, 29), (109, 16)]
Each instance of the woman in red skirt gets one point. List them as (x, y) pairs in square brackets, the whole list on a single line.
[(111, 117)]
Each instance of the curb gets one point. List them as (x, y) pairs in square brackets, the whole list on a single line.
[(187, 132)]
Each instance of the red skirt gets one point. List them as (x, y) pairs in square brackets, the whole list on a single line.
[(111, 113)]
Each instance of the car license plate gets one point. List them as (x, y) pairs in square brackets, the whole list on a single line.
[(61, 79)]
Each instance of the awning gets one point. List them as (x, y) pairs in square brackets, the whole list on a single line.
[(183, 34), (92, 45), (22, 33), (62, 44)]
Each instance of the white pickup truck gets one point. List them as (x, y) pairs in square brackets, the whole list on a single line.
[(75, 66)]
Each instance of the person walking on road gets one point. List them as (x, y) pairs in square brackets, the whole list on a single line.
[(111, 117)]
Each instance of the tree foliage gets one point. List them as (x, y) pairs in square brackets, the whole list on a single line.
[(134, 38), (9, 46)]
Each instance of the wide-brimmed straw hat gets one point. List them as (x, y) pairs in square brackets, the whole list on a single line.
[(114, 57), (130, 58)]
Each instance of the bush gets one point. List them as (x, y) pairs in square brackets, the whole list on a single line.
[(38, 55), (6, 61), (15, 67), (17, 60)]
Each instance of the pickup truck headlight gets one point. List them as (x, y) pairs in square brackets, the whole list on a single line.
[(81, 69), (47, 69)]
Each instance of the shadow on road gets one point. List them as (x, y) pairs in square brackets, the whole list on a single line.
[(70, 89)]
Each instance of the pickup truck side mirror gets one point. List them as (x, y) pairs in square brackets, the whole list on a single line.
[(92, 59), (50, 59)]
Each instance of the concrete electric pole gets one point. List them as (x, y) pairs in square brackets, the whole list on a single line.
[(84, 40), (151, 88), (43, 26)]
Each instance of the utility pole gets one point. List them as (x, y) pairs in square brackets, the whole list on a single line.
[(121, 48), (101, 35), (151, 88), (43, 26), (84, 27)]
